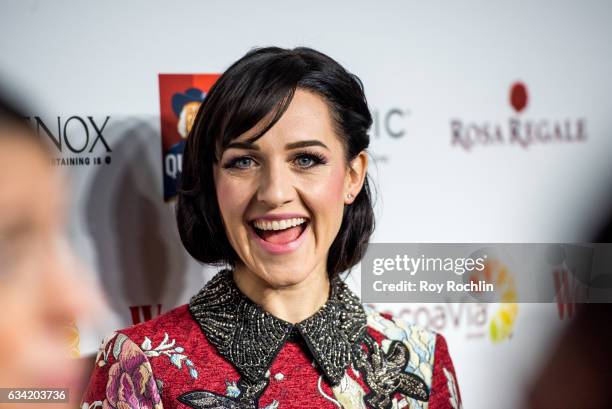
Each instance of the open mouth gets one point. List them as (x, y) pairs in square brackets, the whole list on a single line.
[(280, 231)]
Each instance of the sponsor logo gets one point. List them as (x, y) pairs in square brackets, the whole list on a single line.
[(503, 318), (180, 97), (473, 320), (470, 319), (573, 277), (142, 313), (388, 124), (517, 130), (567, 290), (77, 140)]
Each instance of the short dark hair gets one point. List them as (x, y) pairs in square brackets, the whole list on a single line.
[(11, 114), (260, 86), (14, 123)]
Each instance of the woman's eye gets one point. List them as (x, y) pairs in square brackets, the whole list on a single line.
[(242, 163), (307, 160), (304, 161)]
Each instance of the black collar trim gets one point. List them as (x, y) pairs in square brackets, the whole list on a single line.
[(250, 337)]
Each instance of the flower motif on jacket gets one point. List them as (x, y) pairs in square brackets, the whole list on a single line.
[(130, 379), (105, 350), (172, 351), (243, 394), (348, 393), (385, 374)]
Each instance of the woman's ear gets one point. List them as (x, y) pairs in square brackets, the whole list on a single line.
[(355, 176)]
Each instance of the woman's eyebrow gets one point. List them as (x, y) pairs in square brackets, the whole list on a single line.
[(302, 144), (294, 145), (243, 145)]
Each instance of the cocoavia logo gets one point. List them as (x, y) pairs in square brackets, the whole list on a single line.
[(503, 319)]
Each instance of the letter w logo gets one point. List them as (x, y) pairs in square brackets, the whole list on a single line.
[(568, 290), (142, 313)]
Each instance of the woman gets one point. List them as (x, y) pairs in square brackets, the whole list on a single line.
[(38, 337), (275, 186)]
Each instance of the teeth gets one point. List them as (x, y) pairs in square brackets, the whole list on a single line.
[(278, 224)]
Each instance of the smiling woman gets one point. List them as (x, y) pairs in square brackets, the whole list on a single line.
[(282, 199), (275, 189), (288, 129)]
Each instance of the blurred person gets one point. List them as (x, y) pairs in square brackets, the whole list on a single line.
[(578, 372), (41, 293)]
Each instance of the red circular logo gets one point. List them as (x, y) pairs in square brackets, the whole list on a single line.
[(518, 96)]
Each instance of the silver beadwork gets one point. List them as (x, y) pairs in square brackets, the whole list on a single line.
[(250, 337)]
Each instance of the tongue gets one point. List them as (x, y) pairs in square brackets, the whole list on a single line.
[(281, 236)]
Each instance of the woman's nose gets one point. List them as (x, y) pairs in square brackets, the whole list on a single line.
[(275, 185)]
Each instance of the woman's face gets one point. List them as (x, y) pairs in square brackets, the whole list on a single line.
[(282, 197), (41, 285)]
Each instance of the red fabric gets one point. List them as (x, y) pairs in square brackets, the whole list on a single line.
[(294, 381), (440, 392)]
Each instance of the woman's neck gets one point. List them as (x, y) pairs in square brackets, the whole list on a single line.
[(292, 303)]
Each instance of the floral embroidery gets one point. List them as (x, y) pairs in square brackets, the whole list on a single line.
[(130, 379), (208, 400), (348, 393), (92, 405), (241, 395), (231, 389), (175, 353), (384, 373), (419, 341), (104, 350), (452, 389)]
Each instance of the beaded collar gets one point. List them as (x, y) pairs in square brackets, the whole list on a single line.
[(250, 337)]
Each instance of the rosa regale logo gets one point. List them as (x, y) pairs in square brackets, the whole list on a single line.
[(518, 96), (516, 130)]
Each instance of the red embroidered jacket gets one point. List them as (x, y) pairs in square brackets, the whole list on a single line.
[(224, 351)]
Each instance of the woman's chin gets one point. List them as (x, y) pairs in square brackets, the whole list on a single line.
[(286, 276)]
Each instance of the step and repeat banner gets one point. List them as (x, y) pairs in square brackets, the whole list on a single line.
[(491, 124)]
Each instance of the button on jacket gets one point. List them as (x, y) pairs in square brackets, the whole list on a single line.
[(224, 351)]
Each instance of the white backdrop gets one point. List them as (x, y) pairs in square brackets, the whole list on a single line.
[(423, 64)]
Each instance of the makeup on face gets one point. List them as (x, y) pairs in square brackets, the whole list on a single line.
[(279, 233), (282, 196)]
